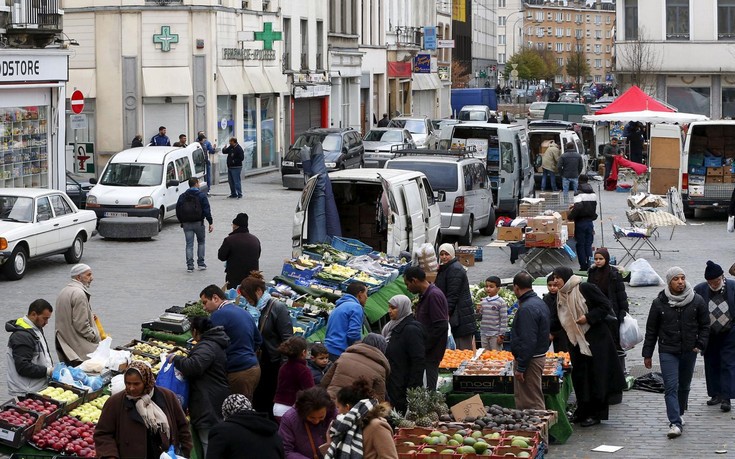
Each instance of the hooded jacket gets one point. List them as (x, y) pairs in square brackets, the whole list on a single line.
[(203, 201), (585, 204), (377, 435), (344, 326), (28, 357), (677, 330), (452, 280), (205, 370), (245, 432), (241, 252), (359, 360), (76, 332)]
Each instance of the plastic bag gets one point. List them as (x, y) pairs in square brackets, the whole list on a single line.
[(425, 258), (118, 360), (172, 379), (171, 454), (731, 224), (451, 344), (642, 274), (117, 384), (630, 334), (650, 382)]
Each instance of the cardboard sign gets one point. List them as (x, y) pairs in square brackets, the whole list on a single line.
[(473, 406)]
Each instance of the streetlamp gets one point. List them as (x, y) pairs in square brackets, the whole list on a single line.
[(512, 50)]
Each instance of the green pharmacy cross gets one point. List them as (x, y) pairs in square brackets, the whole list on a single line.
[(268, 36), (165, 38)]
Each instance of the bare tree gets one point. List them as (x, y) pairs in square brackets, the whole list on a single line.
[(639, 59)]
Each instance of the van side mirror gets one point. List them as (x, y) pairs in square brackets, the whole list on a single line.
[(440, 196), (172, 183), (93, 181)]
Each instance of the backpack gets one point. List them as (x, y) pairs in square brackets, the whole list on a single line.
[(190, 208)]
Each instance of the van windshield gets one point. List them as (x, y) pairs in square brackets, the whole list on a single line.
[(442, 176), (132, 174), (476, 115), (413, 126)]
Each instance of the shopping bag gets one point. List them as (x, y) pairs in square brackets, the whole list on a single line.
[(100, 328), (642, 274), (630, 334), (172, 379), (731, 224), (451, 344)]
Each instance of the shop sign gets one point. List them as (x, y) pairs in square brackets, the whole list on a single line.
[(422, 63), (318, 90), (445, 43), (165, 38), (310, 78), (443, 72), (29, 67), (430, 38), (84, 158), (246, 54)]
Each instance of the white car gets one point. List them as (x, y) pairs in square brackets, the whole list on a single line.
[(38, 222)]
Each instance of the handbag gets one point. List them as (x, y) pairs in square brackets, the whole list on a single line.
[(265, 316)]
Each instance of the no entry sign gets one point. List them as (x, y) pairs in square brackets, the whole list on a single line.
[(77, 101)]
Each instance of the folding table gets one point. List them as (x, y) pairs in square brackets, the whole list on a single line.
[(633, 240)]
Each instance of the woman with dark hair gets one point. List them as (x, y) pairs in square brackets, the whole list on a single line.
[(598, 379), (206, 371), (304, 427), (275, 326), (360, 429), (144, 420), (293, 377)]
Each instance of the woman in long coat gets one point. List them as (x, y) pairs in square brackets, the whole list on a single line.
[(453, 282), (597, 376)]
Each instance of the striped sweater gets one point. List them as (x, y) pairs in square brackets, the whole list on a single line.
[(494, 316)]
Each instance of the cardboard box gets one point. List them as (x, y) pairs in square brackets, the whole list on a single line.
[(570, 229), (564, 215), (711, 179), (696, 179), (544, 224), (728, 179), (715, 171), (696, 190), (467, 259), (529, 210), (544, 239), (507, 233)]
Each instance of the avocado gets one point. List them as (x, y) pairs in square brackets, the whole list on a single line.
[(469, 441), (480, 447)]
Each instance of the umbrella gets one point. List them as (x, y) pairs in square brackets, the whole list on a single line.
[(648, 116)]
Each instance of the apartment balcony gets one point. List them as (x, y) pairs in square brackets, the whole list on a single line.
[(30, 23)]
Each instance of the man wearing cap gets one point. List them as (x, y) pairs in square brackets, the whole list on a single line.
[(240, 251), (719, 357), (76, 331)]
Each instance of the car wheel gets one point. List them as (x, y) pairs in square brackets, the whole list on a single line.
[(74, 254), (490, 228), (161, 213), (466, 239), (15, 266)]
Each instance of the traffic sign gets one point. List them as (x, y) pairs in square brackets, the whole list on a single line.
[(78, 121), (77, 101)]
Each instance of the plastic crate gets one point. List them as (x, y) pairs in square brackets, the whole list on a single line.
[(351, 246), (14, 436), (713, 161), (697, 170), (303, 274)]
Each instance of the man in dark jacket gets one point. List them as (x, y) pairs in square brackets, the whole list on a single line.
[(192, 221), (609, 152), (160, 139), (235, 157), (384, 121), (240, 251), (570, 166), (584, 213), (718, 294), (529, 343), (432, 312), (636, 139), (679, 321), (29, 359), (453, 282)]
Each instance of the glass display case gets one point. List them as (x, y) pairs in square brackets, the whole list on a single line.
[(24, 142)]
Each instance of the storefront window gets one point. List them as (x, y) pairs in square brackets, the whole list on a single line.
[(24, 147), (250, 141), (690, 100), (225, 127), (267, 131), (728, 102)]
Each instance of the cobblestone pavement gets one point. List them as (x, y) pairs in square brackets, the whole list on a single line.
[(136, 280)]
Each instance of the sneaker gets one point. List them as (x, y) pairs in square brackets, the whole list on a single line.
[(189, 270), (202, 268), (231, 197), (714, 401), (725, 407), (683, 423), (674, 431)]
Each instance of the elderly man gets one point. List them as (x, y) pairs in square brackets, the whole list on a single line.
[(76, 331), (29, 358)]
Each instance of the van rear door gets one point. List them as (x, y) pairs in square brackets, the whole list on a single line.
[(508, 183), (396, 235), (415, 213), (300, 217), (527, 180)]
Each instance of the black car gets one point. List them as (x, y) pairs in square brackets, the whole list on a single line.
[(343, 149), (77, 188)]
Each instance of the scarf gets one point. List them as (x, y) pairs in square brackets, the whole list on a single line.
[(570, 307), (154, 418), (403, 304), (263, 301), (681, 300), (346, 432)]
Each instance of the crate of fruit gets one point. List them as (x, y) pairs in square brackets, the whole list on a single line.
[(16, 426), (47, 408), (71, 396), (147, 349), (470, 249), (301, 268)]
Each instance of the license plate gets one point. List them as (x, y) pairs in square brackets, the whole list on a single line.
[(116, 214), (287, 163)]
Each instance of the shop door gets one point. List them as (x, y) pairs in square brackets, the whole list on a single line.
[(308, 114), (174, 116), (423, 103)]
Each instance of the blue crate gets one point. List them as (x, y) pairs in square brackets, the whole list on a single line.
[(371, 288), (713, 161), (697, 170), (351, 246), (303, 274)]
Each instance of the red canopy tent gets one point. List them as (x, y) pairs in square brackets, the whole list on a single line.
[(634, 100)]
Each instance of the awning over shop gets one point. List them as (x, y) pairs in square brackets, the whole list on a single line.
[(277, 80), (259, 80), (84, 80), (426, 82), (231, 80), (166, 82)]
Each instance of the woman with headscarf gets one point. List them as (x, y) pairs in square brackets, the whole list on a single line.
[(453, 282), (405, 352), (244, 430), (365, 359), (584, 312), (679, 321), (610, 283), (142, 421)]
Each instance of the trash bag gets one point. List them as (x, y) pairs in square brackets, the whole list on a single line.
[(630, 334), (117, 384), (642, 274), (650, 382), (731, 224), (172, 379)]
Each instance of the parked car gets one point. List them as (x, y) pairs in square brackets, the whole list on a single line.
[(36, 223), (531, 94), (443, 123), (343, 149), (601, 103), (465, 195), (588, 96), (536, 110), (569, 97), (566, 111), (475, 113), (77, 188), (378, 143), (420, 128)]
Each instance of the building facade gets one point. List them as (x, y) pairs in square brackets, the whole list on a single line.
[(345, 63), (690, 61), (510, 32), (484, 26), (374, 78)]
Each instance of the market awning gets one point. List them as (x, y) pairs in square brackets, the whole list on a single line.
[(84, 80), (259, 80), (648, 116), (426, 82), (277, 80), (231, 80), (166, 82)]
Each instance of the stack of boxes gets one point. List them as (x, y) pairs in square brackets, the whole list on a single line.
[(359, 223), (546, 231), (711, 158)]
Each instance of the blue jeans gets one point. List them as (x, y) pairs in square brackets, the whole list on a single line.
[(552, 177), (233, 178), (677, 371), (209, 176), (192, 229), (565, 186), (719, 365), (584, 234)]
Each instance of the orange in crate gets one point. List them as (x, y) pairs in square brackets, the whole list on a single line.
[(502, 356), (452, 359)]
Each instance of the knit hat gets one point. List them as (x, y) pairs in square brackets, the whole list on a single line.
[(236, 404), (605, 254), (377, 341), (713, 270), (241, 220), (675, 271), (81, 268), (449, 248)]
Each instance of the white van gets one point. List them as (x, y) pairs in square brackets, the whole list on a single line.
[(410, 213), (146, 182)]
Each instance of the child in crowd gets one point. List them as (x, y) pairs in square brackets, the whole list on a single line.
[(319, 362), (557, 334), (293, 376), (494, 316)]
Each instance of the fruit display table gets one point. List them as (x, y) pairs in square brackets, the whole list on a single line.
[(179, 339), (559, 432)]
